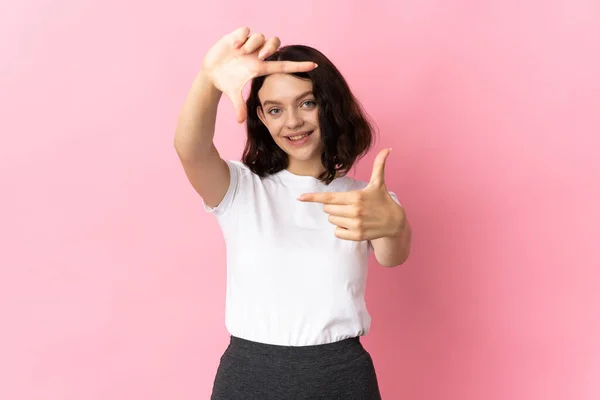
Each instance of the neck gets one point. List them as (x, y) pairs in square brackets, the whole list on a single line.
[(307, 168)]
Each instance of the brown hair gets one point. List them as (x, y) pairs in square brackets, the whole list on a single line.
[(346, 132)]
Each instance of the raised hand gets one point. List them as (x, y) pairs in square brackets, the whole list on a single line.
[(238, 57), (365, 214)]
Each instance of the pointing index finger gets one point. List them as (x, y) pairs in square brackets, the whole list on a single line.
[(342, 198), (286, 67)]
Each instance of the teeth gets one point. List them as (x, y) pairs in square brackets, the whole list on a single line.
[(298, 137)]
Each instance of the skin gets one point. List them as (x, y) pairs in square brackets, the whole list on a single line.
[(236, 58), (369, 214), (289, 108)]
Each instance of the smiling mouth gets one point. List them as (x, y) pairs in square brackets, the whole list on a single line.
[(298, 137)]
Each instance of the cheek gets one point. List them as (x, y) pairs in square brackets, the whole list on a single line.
[(314, 117), (275, 126)]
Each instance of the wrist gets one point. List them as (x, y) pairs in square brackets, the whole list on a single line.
[(397, 220), (205, 81)]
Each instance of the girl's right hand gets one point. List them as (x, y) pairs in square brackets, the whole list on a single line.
[(238, 57)]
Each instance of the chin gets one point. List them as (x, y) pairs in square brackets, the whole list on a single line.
[(305, 154)]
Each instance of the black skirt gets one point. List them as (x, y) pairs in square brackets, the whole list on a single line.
[(252, 370)]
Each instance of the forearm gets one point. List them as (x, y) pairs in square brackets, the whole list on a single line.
[(196, 124), (393, 250)]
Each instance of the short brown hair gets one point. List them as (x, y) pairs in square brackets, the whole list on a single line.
[(346, 132)]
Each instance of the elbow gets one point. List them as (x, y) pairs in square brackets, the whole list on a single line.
[(394, 262), (178, 145)]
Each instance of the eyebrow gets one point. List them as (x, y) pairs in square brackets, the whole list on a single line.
[(297, 98)]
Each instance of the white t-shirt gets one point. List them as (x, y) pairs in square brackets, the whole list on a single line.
[(290, 280)]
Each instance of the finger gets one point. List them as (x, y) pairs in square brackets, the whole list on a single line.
[(340, 210), (269, 48), (377, 176), (285, 67), (254, 42), (342, 222), (342, 198), (239, 107), (347, 234), (239, 36)]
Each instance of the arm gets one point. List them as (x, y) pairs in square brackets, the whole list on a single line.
[(204, 168), (226, 68), (393, 250), (369, 214)]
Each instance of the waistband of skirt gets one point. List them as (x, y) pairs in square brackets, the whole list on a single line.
[(321, 353)]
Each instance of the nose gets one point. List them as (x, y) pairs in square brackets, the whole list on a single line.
[(294, 120)]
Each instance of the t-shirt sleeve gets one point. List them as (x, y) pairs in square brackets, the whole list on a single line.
[(395, 198), (238, 176)]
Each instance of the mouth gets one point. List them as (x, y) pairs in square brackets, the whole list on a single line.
[(299, 136)]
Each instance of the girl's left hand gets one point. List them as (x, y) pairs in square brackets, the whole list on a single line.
[(365, 214)]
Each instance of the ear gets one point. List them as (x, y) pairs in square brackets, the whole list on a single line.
[(261, 115)]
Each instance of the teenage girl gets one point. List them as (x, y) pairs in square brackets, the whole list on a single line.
[(298, 230)]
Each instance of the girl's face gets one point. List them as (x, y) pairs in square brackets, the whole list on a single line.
[(290, 113)]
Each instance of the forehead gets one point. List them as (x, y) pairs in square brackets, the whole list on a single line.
[(283, 87)]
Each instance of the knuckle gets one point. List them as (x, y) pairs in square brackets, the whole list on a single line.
[(242, 32), (360, 226), (275, 41)]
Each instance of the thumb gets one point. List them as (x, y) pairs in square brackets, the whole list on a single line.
[(239, 107), (377, 176)]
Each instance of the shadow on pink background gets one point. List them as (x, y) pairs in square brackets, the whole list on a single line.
[(113, 278)]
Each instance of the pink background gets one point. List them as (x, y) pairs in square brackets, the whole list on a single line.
[(113, 278)]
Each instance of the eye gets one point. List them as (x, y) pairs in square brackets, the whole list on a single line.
[(309, 103), (271, 111)]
